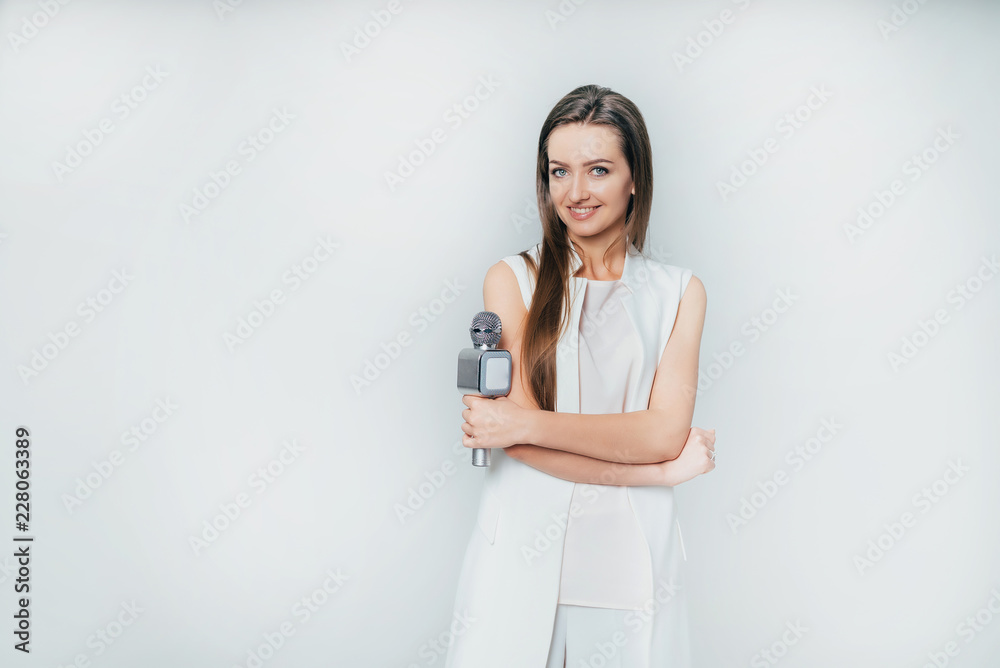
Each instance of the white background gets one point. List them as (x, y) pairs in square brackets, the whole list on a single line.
[(335, 506)]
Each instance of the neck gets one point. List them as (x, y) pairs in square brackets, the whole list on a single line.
[(594, 254)]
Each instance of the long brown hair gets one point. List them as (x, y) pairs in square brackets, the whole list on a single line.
[(550, 302)]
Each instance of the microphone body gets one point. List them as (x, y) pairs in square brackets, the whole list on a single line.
[(483, 369)]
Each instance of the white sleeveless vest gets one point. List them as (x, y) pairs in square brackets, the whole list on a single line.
[(509, 583)]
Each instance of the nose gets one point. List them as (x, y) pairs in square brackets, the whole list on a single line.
[(578, 188)]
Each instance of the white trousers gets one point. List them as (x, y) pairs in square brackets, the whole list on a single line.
[(586, 637)]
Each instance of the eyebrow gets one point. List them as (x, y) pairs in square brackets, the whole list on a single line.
[(586, 164)]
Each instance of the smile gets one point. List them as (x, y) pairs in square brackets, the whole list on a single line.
[(581, 213)]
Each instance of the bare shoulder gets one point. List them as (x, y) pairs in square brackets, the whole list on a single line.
[(691, 310), (501, 271), (502, 295), (694, 294), (500, 285)]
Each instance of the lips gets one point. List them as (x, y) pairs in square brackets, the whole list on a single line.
[(582, 213)]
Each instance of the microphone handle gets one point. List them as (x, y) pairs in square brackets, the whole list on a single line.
[(480, 456)]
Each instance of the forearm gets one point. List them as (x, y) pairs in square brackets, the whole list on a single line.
[(580, 468), (639, 437)]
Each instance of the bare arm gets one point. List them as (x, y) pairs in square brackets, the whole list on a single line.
[(652, 435), (631, 438), (582, 469), (695, 460), (648, 436), (502, 295)]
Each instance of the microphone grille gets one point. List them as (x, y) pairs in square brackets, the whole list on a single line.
[(485, 329)]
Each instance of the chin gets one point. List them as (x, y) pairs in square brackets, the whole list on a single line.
[(587, 228)]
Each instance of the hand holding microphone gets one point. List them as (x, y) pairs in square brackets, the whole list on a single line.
[(483, 370)]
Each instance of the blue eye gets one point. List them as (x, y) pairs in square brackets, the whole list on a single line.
[(604, 171)]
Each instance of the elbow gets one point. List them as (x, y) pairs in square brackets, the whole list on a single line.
[(667, 436), (657, 450), (669, 447)]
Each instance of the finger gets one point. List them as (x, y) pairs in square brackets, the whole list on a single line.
[(467, 428)]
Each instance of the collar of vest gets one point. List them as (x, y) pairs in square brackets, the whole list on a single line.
[(630, 273)]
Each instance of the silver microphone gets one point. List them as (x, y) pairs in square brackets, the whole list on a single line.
[(484, 370)]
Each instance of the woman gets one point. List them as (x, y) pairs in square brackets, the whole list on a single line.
[(576, 557)]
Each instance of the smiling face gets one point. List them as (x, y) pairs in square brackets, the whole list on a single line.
[(589, 179)]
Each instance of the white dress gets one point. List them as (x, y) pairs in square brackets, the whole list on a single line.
[(606, 561), (511, 571)]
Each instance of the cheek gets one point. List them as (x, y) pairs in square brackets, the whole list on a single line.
[(612, 192), (626, 192)]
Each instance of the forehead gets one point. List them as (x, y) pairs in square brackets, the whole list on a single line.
[(577, 143)]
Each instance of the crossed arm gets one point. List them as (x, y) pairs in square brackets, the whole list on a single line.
[(636, 448), (583, 469)]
